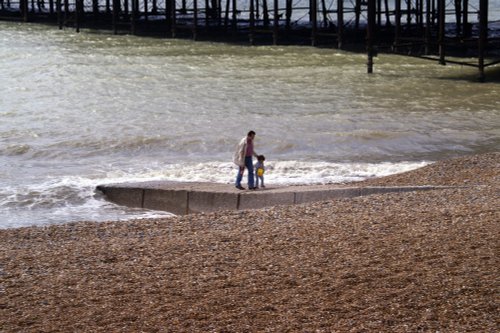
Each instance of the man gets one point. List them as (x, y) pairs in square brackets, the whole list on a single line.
[(243, 158)]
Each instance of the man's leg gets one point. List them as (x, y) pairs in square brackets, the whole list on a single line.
[(239, 176), (249, 165)]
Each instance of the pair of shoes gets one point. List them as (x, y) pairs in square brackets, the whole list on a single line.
[(239, 187), (252, 188)]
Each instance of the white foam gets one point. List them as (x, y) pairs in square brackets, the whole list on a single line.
[(74, 198), (283, 172)]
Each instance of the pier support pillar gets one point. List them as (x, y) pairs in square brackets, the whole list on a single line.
[(195, 19), (340, 23), (59, 14), (276, 22), (441, 42), (397, 28), (173, 22), (288, 15), (116, 9), (467, 30), (370, 34), (235, 17), (24, 7), (265, 13), (146, 10), (208, 14), (314, 21), (77, 15), (95, 10), (428, 27), (483, 36), (133, 16), (251, 31), (51, 8), (458, 17)]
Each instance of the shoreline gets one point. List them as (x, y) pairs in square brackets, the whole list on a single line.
[(415, 261)]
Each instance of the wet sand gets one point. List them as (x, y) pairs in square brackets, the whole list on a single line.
[(399, 262)]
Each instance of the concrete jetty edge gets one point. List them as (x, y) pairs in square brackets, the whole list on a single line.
[(182, 198)]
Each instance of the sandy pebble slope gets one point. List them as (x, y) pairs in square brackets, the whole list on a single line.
[(410, 262)]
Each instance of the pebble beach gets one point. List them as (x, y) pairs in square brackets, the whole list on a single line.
[(422, 261)]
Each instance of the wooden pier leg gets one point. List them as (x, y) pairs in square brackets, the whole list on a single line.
[(77, 15), (252, 22), (195, 19), (51, 8), (441, 41), (314, 21), (276, 22), (168, 16), (465, 20), (265, 13), (458, 17), (428, 27), (421, 13), (289, 8), (25, 10), (370, 34), (340, 23), (95, 10), (408, 14), (219, 12), (483, 36), (59, 14), (66, 12), (433, 15), (208, 13), (146, 10), (235, 17), (397, 28), (226, 16), (379, 12), (133, 16), (418, 14), (173, 22), (116, 8)]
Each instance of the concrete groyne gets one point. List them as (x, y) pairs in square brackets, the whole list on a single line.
[(182, 198)]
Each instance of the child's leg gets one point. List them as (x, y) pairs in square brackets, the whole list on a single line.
[(261, 181)]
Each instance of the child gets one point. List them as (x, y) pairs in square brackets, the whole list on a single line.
[(259, 170)]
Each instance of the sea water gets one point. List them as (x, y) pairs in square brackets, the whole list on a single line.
[(82, 109)]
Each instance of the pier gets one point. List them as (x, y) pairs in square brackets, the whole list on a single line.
[(442, 31)]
